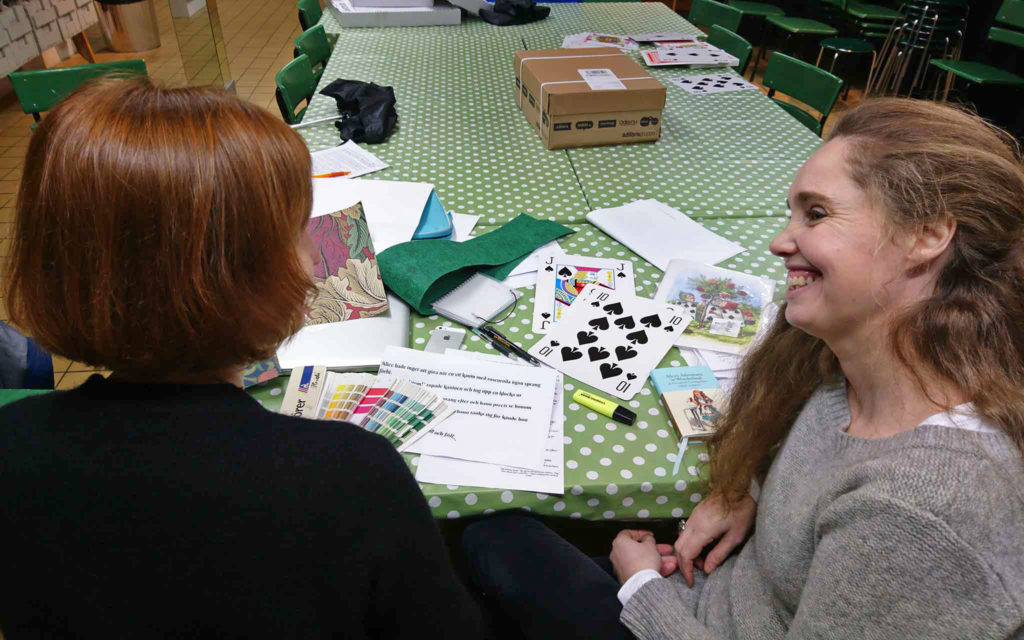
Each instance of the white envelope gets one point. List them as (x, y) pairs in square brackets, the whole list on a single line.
[(393, 209)]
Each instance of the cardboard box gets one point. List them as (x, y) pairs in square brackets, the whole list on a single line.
[(588, 97)]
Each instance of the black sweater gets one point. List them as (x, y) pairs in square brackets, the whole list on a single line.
[(134, 511)]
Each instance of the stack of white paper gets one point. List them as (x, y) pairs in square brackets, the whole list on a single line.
[(349, 158), (550, 479), (503, 416), (439, 13)]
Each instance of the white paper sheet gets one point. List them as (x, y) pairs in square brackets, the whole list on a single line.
[(529, 263), (658, 233), (521, 280), (464, 224), (392, 208), (346, 157), (502, 411), (353, 345), (480, 474)]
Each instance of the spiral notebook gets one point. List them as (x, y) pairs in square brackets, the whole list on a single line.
[(476, 300)]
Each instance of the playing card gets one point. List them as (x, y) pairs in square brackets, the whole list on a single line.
[(609, 40), (726, 307), (560, 278), (713, 83), (698, 54), (611, 340), (671, 36)]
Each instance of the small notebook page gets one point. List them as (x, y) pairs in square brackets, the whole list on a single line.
[(475, 301)]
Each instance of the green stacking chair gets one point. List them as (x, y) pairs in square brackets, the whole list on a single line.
[(758, 9), (309, 13), (732, 44), (792, 26), (313, 43), (805, 82), (707, 13), (1011, 14), (294, 84), (39, 90)]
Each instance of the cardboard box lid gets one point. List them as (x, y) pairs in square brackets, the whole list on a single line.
[(553, 75)]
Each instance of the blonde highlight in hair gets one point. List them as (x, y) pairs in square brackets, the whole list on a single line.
[(923, 164)]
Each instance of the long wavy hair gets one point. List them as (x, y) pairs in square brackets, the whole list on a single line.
[(922, 163)]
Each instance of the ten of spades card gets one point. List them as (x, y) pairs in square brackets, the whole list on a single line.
[(713, 83), (560, 278), (611, 340)]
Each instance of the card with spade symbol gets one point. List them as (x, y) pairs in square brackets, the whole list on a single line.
[(560, 278), (611, 340), (696, 54), (713, 83)]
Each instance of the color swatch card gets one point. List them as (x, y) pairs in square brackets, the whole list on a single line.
[(405, 412), (610, 339), (342, 392), (305, 387), (560, 278)]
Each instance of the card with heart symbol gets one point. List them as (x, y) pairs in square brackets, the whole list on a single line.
[(560, 278), (611, 340)]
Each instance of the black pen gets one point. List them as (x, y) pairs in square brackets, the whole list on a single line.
[(500, 348), (497, 338)]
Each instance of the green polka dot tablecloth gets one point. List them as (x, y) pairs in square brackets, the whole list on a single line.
[(725, 159)]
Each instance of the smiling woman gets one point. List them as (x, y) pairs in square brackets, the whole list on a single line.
[(882, 416)]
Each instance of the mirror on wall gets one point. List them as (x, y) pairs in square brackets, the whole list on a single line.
[(201, 43)]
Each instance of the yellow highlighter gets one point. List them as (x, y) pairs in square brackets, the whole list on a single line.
[(604, 407)]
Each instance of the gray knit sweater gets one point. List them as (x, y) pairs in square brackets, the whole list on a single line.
[(920, 535)]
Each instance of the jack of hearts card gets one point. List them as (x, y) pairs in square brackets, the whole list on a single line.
[(560, 278)]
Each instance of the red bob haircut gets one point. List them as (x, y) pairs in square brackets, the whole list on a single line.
[(157, 230)]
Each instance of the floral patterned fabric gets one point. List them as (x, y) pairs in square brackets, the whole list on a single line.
[(347, 278)]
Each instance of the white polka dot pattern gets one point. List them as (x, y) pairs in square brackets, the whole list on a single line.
[(724, 159)]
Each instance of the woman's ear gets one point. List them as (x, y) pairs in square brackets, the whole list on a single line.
[(930, 242)]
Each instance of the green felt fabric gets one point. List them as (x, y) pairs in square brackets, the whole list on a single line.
[(421, 271), (10, 395)]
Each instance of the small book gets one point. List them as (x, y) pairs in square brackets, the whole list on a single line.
[(475, 301), (692, 397)]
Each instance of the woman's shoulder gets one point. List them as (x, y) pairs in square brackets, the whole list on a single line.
[(967, 485)]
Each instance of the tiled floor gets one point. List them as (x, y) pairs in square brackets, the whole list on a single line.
[(258, 36)]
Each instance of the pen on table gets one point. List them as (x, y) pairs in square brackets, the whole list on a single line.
[(508, 344), (500, 348), (604, 407), (332, 174)]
